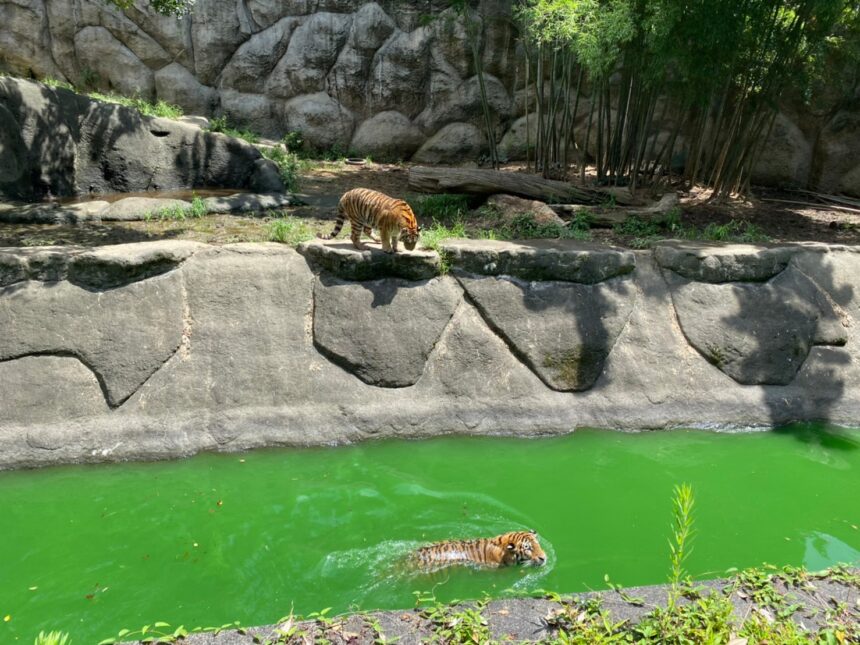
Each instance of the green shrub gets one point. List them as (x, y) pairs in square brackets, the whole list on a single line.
[(438, 232), (293, 141), (524, 226), (220, 124), (159, 108), (289, 230), (441, 208), (288, 165)]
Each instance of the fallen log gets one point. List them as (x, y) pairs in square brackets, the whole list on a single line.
[(474, 181)]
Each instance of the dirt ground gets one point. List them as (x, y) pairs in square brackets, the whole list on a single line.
[(322, 185)]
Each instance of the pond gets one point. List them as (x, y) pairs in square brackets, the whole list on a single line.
[(247, 537)]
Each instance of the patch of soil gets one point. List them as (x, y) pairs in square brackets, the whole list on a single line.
[(772, 213)]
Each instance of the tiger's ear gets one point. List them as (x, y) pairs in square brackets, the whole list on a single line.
[(532, 531), (510, 547)]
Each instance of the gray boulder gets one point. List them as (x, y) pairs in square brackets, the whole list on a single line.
[(510, 207), (323, 122), (562, 331), (312, 52), (131, 209), (758, 334), (116, 65), (178, 86), (387, 136), (76, 145), (247, 69), (110, 267), (215, 35), (723, 262), (245, 109), (25, 39), (371, 27), (455, 143), (48, 321), (837, 150), (786, 156), (399, 74), (521, 136), (248, 202), (343, 260), (382, 331), (464, 104), (565, 260)]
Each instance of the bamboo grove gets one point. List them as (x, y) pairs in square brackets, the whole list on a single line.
[(643, 88)]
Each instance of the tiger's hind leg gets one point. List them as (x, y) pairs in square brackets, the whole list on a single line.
[(369, 232), (355, 236)]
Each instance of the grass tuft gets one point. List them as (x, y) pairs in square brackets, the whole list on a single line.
[(289, 230)]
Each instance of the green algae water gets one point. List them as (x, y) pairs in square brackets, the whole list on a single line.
[(247, 537)]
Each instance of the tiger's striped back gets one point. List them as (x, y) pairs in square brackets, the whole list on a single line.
[(369, 209), (517, 547)]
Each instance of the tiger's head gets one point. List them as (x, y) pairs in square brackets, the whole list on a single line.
[(521, 547), (410, 231)]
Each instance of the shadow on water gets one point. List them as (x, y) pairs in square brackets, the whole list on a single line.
[(819, 434)]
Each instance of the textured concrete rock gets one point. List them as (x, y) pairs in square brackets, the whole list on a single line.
[(41, 263), (323, 122), (216, 33), (509, 208), (114, 266), (387, 136), (178, 86), (312, 52), (39, 139), (521, 135), (455, 143), (566, 260), (116, 65), (126, 335), (245, 109), (785, 158), (723, 263), (13, 150), (76, 145), (96, 269), (758, 333), (382, 331), (399, 74), (75, 392), (562, 331), (246, 371), (139, 208), (345, 261), (371, 27), (25, 39), (248, 202), (837, 149), (255, 59), (464, 104)]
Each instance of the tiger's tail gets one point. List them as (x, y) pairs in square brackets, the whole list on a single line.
[(341, 218)]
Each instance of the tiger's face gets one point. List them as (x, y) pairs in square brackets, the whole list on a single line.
[(522, 547), (410, 233)]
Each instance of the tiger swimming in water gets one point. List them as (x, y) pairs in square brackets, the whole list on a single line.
[(517, 547), (369, 209)]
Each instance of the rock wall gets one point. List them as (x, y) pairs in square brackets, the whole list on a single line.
[(163, 349), (392, 79)]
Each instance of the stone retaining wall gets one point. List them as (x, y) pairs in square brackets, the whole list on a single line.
[(163, 349)]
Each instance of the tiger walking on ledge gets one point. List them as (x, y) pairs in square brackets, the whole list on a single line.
[(517, 547), (369, 209)]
